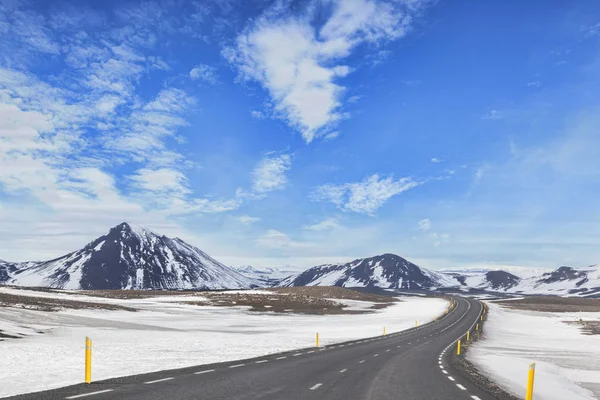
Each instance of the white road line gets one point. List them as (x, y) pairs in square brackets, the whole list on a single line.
[(343, 370), (308, 352), (89, 394), (451, 378), (375, 355), (445, 372), (281, 358), (461, 387), (387, 350), (475, 398), (297, 354), (316, 386), (261, 361), (441, 366), (236, 365), (361, 361), (204, 372), (158, 380)]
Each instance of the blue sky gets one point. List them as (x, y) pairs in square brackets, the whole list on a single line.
[(297, 133)]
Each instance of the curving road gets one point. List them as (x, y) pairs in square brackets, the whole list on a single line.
[(410, 365)]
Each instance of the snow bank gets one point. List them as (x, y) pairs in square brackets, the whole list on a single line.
[(166, 335), (567, 361)]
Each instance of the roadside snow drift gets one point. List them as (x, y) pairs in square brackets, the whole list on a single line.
[(567, 361)]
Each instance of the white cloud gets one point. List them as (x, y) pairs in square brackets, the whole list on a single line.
[(535, 84), (493, 115), (300, 66), (160, 180), (274, 239), (205, 73), (424, 225), (258, 114), (354, 99), (326, 224), (108, 103), (248, 220), (270, 173), (364, 197), (436, 160)]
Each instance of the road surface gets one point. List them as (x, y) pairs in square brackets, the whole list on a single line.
[(409, 365)]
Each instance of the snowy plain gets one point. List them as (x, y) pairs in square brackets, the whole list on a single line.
[(567, 361), (166, 333)]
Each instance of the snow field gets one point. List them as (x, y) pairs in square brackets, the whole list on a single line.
[(567, 361), (164, 335)]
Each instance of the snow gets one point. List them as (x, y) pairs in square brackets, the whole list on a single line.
[(567, 361), (166, 335)]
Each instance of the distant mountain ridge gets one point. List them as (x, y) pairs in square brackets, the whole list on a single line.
[(394, 272), (267, 276), (128, 257), (384, 271)]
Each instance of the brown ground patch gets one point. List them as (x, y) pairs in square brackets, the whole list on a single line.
[(553, 304), (304, 300), (46, 304), (587, 327)]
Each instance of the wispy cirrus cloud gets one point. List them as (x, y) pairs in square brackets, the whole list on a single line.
[(301, 66), (366, 196), (204, 73), (271, 173)]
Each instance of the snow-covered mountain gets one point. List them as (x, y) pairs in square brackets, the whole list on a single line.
[(384, 271), (267, 276), (128, 257), (392, 271)]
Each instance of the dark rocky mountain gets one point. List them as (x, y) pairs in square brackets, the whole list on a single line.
[(128, 257), (384, 271), (564, 274), (501, 280)]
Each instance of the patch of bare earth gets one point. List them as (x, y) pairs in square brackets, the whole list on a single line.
[(553, 304), (304, 300), (49, 304), (560, 304)]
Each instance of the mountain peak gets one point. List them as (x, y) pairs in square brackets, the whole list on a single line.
[(131, 257)]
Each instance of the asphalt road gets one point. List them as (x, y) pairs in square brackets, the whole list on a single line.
[(410, 365)]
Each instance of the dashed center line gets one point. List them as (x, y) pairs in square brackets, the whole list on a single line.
[(204, 372), (281, 358), (89, 394), (261, 361), (343, 370), (375, 355), (475, 398), (451, 378), (158, 380), (318, 385), (461, 387), (297, 354), (236, 365), (361, 361)]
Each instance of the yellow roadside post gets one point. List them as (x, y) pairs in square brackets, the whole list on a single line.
[(88, 360), (416, 323), (477, 327), (384, 331), (530, 377), (481, 317), (468, 335), (458, 348), (317, 339)]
